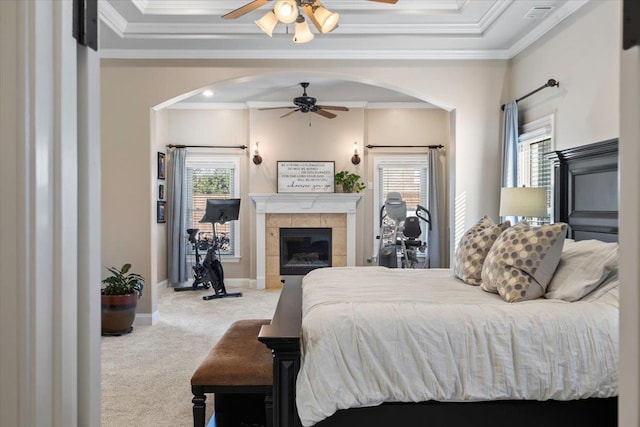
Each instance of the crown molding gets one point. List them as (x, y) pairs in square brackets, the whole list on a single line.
[(170, 30), (208, 106), (209, 7), (267, 104), (388, 54), (112, 18)]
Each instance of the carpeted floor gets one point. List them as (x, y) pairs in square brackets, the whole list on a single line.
[(146, 374)]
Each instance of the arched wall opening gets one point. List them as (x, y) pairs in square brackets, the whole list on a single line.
[(147, 86)]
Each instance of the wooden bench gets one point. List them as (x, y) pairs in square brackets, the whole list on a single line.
[(239, 370)]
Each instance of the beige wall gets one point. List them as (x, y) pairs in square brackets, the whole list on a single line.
[(583, 54), (131, 88), (312, 137)]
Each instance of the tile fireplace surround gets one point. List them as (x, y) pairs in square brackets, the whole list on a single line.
[(303, 210)]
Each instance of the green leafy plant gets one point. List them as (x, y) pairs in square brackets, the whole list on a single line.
[(121, 282), (350, 182)]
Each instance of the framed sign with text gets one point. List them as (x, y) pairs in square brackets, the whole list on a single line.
[(306, 177)]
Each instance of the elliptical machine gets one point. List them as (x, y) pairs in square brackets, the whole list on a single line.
[(400, 235)]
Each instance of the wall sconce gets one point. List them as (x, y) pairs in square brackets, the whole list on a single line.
[(355, 159), (257, 158)]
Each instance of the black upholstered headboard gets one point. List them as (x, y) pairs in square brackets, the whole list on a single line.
[(586, 190)]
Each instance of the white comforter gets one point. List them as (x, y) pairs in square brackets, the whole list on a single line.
[(373, 335)]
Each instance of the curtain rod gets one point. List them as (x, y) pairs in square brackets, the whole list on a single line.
[(241, 147), (549, 83), (405, 146)]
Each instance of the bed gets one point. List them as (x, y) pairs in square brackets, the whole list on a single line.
[(332, 392)]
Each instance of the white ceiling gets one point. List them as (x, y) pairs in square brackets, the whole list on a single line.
[(408, 30)]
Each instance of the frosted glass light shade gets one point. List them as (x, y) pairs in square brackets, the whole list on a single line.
[(328, 20), (523, 201), (267, 23), (302, 32), (286, 11)]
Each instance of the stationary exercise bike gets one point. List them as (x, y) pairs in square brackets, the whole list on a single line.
[(219, 211), (201, 278)]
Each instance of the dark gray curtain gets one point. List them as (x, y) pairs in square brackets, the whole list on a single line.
[(434, 209), (177, 221), (510, 149)]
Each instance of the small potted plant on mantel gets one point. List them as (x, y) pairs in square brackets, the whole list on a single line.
[(349, 181), (119, 300)]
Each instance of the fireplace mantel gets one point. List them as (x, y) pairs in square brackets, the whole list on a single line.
[(302, 203)]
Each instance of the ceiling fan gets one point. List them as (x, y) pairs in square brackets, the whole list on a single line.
[(288, 12), (306, 104)]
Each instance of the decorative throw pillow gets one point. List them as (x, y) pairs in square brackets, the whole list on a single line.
[(473, 248), (522, 261), (584, 266)]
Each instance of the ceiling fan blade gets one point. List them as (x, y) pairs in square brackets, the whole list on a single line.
[(386, 1), (289, 113), (276, 108), (249, 7), (326, 114), (332, 107)]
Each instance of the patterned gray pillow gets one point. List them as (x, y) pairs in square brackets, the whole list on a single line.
[(474, 247), (522, 261)]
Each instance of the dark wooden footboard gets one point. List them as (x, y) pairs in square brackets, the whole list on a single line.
[(282, 336)]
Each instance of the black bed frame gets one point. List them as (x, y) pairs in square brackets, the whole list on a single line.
[(586, 198)]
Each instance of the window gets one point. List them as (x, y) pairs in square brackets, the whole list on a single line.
[(534, 168), (405, 175), (213, 177)]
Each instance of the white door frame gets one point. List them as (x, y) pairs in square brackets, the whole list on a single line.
[(49, 290)]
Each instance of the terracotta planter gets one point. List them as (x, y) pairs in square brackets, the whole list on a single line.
[(118, 313)]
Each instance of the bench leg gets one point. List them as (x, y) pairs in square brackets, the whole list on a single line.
[(199, 407), (268, 407)]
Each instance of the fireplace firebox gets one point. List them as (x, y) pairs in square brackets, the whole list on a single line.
[(304, 249)]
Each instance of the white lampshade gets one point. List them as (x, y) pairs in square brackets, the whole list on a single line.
[(327, 20), (302, 32), (286, 11), (523, 201), (268, 22)]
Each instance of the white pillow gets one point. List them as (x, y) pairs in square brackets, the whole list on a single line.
[(584, 266)]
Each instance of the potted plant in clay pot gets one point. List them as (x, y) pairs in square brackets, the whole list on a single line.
[(119, 300), (349, 181)]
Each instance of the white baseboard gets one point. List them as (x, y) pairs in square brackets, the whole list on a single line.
[(239, 283), (146, 319), (162, 284)]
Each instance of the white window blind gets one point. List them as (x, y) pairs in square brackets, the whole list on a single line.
[(211, 178), (534, 170)]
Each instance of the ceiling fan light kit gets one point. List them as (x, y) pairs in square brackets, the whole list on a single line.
[(302, 32), (289, 11), (268, 22), (326, 19), (286, 11)]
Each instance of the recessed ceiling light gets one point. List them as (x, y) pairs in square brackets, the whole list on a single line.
[(207, 93)]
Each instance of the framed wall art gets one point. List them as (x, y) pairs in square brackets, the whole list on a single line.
[(162, 212), (162, 167), (161, 191), (306, 177)]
